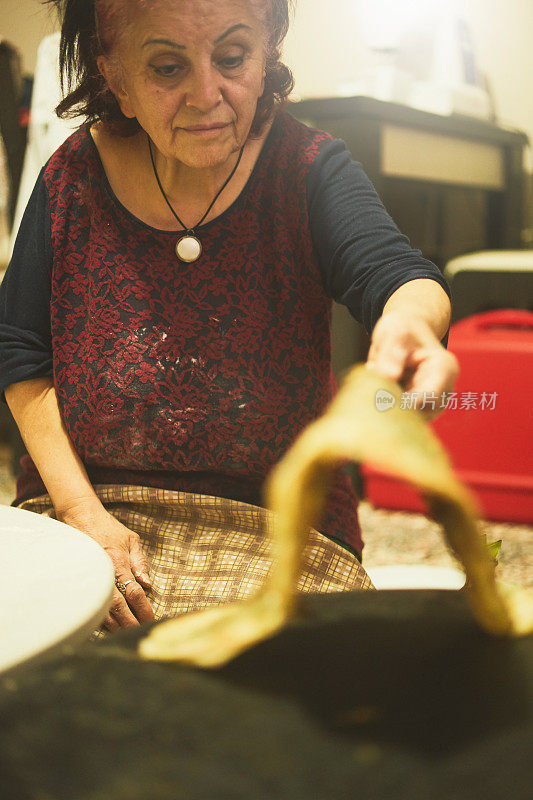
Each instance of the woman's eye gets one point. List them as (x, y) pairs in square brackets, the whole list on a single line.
[(172, 70), (167, 70), (232, 62)]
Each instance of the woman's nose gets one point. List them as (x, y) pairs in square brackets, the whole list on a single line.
[(203, 91)]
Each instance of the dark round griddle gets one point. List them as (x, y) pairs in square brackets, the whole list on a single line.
[(371, 695)]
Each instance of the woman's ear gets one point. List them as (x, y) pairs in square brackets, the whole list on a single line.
[(262, 87), (115, 86)]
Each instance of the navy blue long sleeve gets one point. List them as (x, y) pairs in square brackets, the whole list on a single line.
[(363, 256), (25, 330)]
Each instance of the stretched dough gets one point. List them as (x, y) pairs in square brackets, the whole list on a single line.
[(398, 442)]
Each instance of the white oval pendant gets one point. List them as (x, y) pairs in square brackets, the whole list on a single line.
[(188, 248)]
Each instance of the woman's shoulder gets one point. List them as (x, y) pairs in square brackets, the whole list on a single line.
[(305, 141), (71, 153), (79, 167), (115, 151), (72, 169)]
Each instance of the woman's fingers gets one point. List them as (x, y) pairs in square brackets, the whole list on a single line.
[(430, 380), (138, 563), (138, 602), (436, 370), (129, 609), (132, 606), (111, 624), (120, 615), (389, 361), (406, 350)]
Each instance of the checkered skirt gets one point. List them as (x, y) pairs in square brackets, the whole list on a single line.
[(203, 551)]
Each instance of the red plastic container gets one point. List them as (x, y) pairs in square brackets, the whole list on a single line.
[(489, 440)]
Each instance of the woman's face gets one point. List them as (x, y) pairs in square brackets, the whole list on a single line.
[(192, 72)]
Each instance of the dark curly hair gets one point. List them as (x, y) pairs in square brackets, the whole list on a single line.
[(89, 95)]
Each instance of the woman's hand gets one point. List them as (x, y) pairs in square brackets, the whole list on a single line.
[(124, 548), (405, 348)]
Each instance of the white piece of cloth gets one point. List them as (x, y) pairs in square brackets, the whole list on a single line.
[(46, 131)]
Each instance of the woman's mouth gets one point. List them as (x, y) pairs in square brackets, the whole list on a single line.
[(204, 130)]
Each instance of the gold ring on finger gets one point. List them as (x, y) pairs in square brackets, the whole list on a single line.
[(122, 586)]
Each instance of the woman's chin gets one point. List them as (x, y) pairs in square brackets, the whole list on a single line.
[(207, 156)]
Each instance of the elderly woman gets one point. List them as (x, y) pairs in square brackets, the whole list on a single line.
[(165, 319)]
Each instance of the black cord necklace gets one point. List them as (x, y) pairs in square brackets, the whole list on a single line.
[(188, 247)]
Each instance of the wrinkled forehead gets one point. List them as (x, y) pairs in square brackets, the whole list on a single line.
[(115, 18)]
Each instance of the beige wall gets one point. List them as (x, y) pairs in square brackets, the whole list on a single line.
[(503, 32), (324, 46), (25, 23)]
